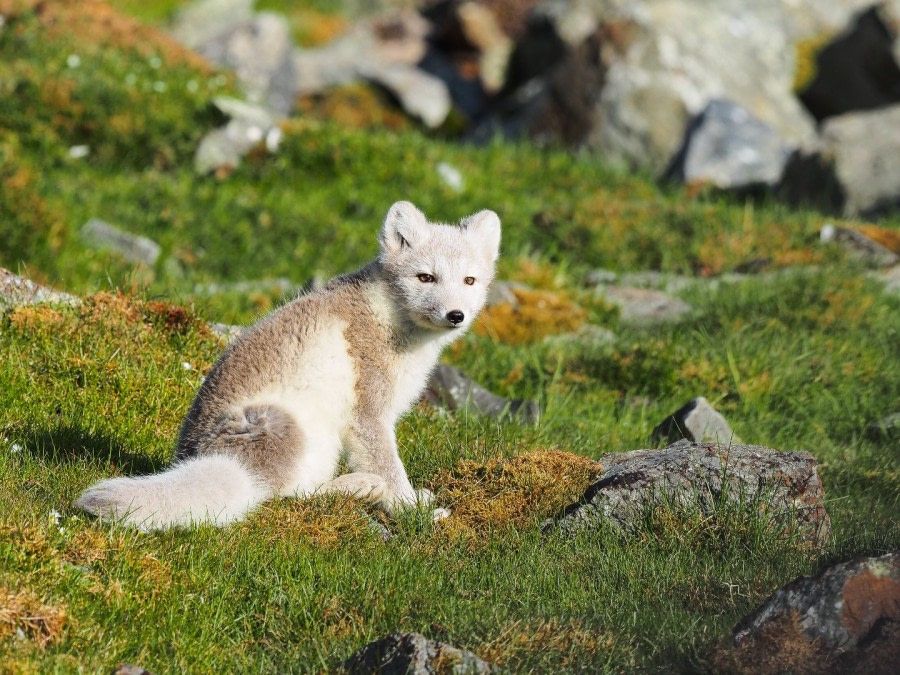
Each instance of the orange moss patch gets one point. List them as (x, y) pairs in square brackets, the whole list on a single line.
[(24, 611), (357, 106), (28, 317), (537, 315), (528, 637), (513, 492), (88, 546), (323, 522), (93, 23), (890, 239)]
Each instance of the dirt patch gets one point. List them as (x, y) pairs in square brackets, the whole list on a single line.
[(513, 492)]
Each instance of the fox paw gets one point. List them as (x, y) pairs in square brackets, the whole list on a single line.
[(424, 497)]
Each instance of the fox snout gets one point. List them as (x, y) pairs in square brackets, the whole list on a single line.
[(455, 316)]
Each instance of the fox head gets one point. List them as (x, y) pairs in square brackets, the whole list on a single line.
[(439, 274)]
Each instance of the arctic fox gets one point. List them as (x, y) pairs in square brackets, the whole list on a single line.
[(326, 376)]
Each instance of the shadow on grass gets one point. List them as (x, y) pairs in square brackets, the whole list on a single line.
[(68, 444)]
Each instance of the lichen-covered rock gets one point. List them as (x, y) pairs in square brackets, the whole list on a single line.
[(696, 421), (844, 620), (413, 654), (16, 290), (840, 606), (859, 246), (645, 305), (783, 485)]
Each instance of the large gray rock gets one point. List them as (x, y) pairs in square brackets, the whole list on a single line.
[(16, 290), (727, 147), (413, 654), (249, 125), (859, 246), (257, 47), (132, 247), (697, 476), (452, 389), (841, 608), (853, 168), (696, 421)]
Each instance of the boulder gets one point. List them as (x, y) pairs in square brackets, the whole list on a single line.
[(16, 290), (257, 47), (785, 486), (727, 147), (857, 70), (853, 168), (451, 389), (696, 421), (134, 248), (413, 654), (845, 619)]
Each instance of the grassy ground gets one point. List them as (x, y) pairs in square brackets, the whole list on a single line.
[(805, 361)]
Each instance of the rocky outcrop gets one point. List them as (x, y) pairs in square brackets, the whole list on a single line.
[(853, 168), (844, 620), (701, 476), (413, 654)]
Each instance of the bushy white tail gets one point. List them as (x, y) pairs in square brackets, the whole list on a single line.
[(214, 488)]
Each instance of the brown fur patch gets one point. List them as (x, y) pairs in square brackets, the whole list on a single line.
[(513, 492), (24, 611)]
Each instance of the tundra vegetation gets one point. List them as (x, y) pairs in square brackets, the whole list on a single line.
[(806, 360)]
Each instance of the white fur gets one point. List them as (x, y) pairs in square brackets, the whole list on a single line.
[(180, 495)]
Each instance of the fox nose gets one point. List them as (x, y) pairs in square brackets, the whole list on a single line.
[(455, 316)]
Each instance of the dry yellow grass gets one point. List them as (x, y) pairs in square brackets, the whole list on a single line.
[(24, 613)]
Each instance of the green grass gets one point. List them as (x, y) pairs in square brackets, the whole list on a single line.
[(805, 361)]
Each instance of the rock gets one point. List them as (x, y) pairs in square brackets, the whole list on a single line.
[(132, 247), (16, 290), (843, 611), (420, 94), (859, 246), (451, 176), (588, 337), (696, 421), (413, 654), (887, 429), (783, 485), (250, 125), (891, 279), (726, 146), (451, 389), (228, 332), (645, 306), (634, 72), (853, 168), (128, 669), (501, 292), (257, 47), (857, 70)]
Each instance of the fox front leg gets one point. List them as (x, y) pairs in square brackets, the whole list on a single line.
[(373, 449)]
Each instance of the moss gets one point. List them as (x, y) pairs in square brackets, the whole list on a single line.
[(510, 493), (355, 106), (536, 315)]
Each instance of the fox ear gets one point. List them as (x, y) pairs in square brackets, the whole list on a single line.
[(404, 227), (485, 227)]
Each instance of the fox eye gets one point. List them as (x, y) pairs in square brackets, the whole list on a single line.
[(469, 280), (425, 278)]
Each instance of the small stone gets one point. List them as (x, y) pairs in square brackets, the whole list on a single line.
[(785, 486), (886, 429), (128, 669), (645, 306), (859, 246), (695, 421), (451, 389), (413, 654), (451, 176), (132, 247), (587, 337), (502, 292)]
